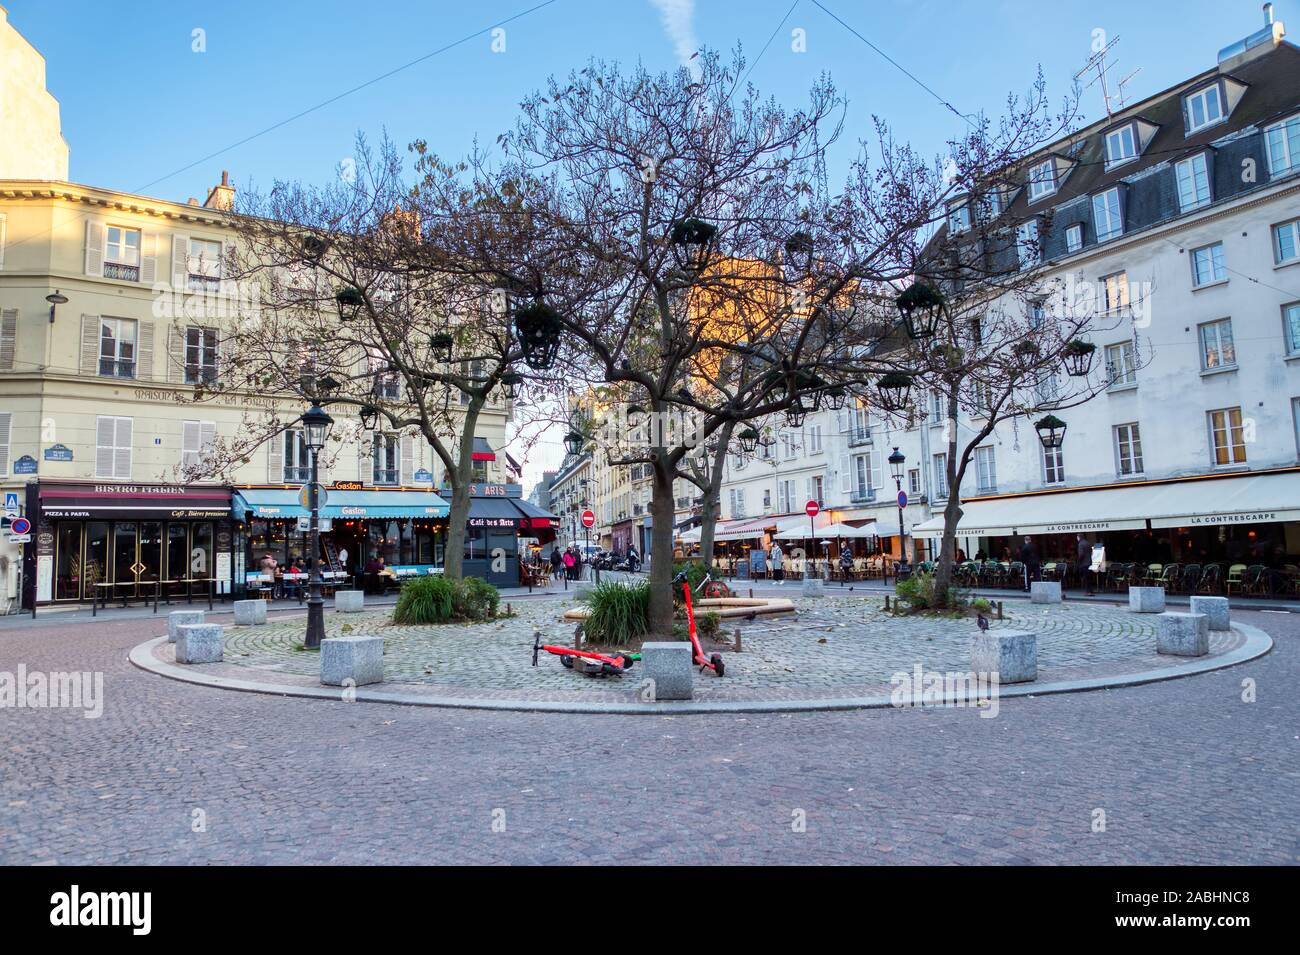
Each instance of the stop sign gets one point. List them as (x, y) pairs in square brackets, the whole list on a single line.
[(812, 508), (588, 518)]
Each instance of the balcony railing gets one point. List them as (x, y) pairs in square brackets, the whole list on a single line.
[(861, 496), (386, 475), (296, 475), (859, 437), (116, 270)]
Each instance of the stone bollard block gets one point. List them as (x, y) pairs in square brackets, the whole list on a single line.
[(670, 665), (1044, 591), (250, 613), (200, 643), (349, 601), (1183, 634), (1146, 599), (814, 587), (1012, 654), (1215, 610), (181, 618), (357, 658)]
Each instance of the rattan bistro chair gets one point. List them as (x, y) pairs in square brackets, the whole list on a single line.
[(1191, 578), (1211, 579)]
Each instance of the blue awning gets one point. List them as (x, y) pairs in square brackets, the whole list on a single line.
[(356, 505)]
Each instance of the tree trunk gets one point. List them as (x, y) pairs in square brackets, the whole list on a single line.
[(951, 513), (712, 503), (661, 555), (459, 479)]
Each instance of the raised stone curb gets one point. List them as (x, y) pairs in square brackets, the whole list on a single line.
[(250, 613), (181, 618)]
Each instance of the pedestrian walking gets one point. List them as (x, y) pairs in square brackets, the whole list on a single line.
[(1033, 563), (1083, 561), (778, 563)]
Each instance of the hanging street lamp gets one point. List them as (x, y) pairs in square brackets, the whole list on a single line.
[(749, 440), (1077, 355), (796, 413), (921, 305), (1051, 431), (835, 396), (538, 327), (369, 417), (573, 442), (692, 243), (316, 427), (799, 254), (895, 389), (350, 301)]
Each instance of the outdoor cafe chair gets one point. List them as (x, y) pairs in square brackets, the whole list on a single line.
[(1210, 579), (1191, 578), (1169, 577), (1235, 579), (1151, 574), (1256, 580)]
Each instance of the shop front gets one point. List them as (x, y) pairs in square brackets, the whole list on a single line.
[(127, 541), (498, 520), (1248, 519), (408, 529)]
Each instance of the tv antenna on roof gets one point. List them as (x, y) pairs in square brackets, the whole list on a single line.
[(1101, 63)]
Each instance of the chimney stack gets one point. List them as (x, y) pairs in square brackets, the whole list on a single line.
[(221, 196)]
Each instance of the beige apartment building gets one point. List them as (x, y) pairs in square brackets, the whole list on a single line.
[(112, 308)]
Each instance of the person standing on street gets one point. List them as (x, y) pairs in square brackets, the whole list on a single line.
[(1029, 557), (778, 565), (1083, 560)]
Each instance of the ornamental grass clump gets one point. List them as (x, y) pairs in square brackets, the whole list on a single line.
[(435, 599), (618, 613)]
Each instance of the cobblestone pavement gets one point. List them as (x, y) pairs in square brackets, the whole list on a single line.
[(833, 647), (1185, 772)]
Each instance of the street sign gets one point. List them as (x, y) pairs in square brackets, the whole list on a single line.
[(588, 519), (20, 538), (304, 497), (812, 508), (20, 526), (11, 503), (902, 499)]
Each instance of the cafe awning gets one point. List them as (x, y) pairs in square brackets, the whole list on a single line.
[(133, 501), (482, 450), (341, 505), (1197, 502), (534, 517)]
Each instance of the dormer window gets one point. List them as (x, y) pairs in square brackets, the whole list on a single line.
[(1106, 215), (1283, 141), (1193, 178), (1074, 237), (1042, 180), (959, 217), (1028, 252), (1121, 146), (1203, 108)]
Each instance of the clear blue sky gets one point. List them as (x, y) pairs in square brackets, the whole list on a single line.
[(139, 104)]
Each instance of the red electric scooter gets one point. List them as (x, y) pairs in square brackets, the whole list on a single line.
[(714, 662), (585, 661)]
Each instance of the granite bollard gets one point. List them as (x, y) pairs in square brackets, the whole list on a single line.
[(200, 643), (1146, 599), (1044, 591), (1215, 610), (349, 601), (358, 658), (670, 664), (1183, 634), (181, 618), (1012, 654), (250, 613), (813, 587)]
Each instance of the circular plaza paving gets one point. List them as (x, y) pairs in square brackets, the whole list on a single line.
[(834, 652)]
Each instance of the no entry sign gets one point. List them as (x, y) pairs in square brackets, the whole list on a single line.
[(812, 509), (588, 518)]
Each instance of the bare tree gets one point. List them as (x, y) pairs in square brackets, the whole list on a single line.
[(357, 315)]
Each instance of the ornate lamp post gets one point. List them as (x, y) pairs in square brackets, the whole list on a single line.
[(1051, 431), (316, 427), (896, 462)]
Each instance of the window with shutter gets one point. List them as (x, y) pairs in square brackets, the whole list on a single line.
[(180, 263), (90, 344), (275, 459), (144, 351), (112, 447), (6, 422), (94, 248), (3, 236), (407, 460), (197, 441), (8, 336)]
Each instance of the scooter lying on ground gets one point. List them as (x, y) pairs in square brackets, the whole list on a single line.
[(713, 662), (586, 661)]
